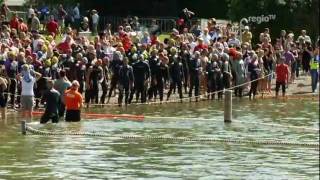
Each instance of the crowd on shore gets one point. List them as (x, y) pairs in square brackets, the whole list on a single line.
[(49, 53)]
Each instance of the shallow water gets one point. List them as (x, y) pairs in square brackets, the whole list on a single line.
[(70, 157)]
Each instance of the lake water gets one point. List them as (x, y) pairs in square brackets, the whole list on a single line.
[(84, 157)]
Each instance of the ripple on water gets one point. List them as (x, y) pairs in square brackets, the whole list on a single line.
[(72, 157)]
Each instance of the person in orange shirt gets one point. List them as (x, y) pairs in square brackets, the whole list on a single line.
[(73, 101)]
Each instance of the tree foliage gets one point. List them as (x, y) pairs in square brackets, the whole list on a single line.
[(292, 15)]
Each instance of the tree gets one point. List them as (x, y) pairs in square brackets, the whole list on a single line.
[(291, 15)]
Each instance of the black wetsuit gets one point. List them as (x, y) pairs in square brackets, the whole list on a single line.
[(254, 70), (162, 75), (194, 69), (176, 77), (41, 87), (185, 58), (214, 78), (94, 78), (125, 78), (3, 99), (104, 83), (81, 76), (141, 71), (153, 62), (52, 98), (12, 72), (114, 66)]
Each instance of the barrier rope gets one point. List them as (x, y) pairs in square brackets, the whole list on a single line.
[(237, 121), (177, 139)]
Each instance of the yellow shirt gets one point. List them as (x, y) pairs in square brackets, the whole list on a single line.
[(246, 37)]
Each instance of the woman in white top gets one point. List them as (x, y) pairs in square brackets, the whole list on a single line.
[(28, 78)]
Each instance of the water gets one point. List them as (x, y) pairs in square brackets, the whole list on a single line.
[(70, 157)]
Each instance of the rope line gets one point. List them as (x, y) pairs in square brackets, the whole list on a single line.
[(236, 121), (177, 139)]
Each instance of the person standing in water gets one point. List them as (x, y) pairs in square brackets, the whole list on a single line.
[(73, 101), (28, 78), (61, 85), (3, 100), (52, 99)]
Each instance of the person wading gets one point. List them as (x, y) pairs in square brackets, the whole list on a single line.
[(3, 100), (61, 85), (28, 79), (52, 99), (73, 100)]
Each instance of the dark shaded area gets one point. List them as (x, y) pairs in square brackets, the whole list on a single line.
[(167, 8)]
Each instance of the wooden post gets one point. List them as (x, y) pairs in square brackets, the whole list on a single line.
[(24, 127), (228, 106)]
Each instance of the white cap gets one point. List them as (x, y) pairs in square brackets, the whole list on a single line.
[(246, 28), (75, 83)]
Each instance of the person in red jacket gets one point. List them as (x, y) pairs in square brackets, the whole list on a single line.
[(64, 47), (52, 27), (282, 73), (14, 22)]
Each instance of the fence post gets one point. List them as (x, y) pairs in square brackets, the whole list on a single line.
[(24, 127), (228, 106)]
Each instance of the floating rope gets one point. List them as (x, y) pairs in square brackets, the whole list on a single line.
[(140, 118), (237, 121), (177, 139)]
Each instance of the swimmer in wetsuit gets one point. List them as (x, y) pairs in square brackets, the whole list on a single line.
[(52, 99), (3, 100)]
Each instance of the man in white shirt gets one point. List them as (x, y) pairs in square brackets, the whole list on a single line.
[(206, 36), (233, 41), (304, 37), (95, 21)]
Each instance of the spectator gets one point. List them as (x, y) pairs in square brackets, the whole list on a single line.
[(52, 26), (22, 26), (62, 13), (76, 16), (4, 10), (233, 41), (282, 73), (246, 35), (35, 23), (95, 22), (304, 37), (29, 15), (14, 22)]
